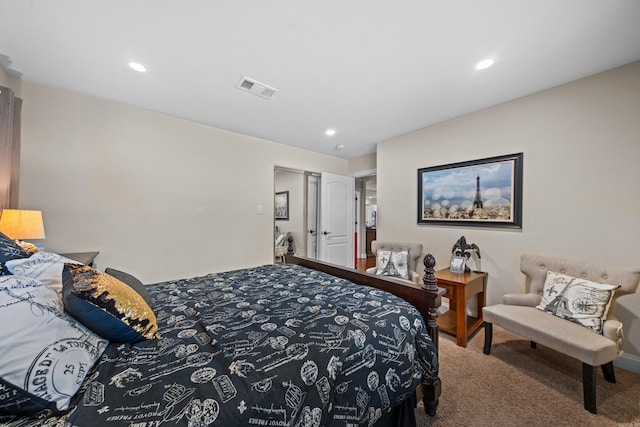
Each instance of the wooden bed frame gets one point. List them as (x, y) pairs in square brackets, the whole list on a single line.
[(426, 298)]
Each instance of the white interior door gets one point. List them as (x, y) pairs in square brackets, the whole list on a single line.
[(312, 215), (337, 224)]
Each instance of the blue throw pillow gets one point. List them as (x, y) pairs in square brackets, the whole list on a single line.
[(9, 250), (106, 305)]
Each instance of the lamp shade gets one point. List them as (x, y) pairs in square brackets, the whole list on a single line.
[(20, 224)]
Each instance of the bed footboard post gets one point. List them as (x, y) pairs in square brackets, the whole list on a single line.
[(430, 399), (430, 284), (433, 388)]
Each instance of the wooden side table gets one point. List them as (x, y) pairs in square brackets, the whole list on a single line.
[(86, 258), (461, 288)]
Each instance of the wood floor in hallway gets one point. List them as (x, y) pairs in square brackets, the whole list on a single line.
[(363, 263)]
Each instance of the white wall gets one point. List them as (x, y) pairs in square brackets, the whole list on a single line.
[(363, 165), (158, 196), (581, 145)]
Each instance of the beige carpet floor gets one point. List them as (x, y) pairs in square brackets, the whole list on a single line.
[(517, 386)]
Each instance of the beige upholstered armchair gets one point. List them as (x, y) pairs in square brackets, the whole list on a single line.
[(574, 299), (282, 245), (628, 312), (391, 254)]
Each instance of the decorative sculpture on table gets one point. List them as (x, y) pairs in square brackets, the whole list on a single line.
[(290, 245), (463, 249)]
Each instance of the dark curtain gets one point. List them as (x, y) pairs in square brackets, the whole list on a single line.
[(10, 107)]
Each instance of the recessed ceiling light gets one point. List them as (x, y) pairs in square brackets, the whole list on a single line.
[(339, 146), (485, 63), (330, 132), (138, 67)]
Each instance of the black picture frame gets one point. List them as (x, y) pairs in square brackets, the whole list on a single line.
[(281, 206), (478, 193)]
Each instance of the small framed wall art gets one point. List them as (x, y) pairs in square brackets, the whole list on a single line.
[(282, 205)]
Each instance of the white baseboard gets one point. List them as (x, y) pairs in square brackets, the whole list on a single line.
[(628, 362)]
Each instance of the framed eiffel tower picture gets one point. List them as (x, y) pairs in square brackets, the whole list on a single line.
[(480, 193)]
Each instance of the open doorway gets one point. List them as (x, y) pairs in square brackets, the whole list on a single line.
[(366, 187), (313, 199), (289, 184), (320, 217)]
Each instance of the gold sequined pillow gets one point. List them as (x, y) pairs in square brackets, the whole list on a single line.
[(29, 248), (107, 306)]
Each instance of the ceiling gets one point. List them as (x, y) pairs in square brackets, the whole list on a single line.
[(371, 70)]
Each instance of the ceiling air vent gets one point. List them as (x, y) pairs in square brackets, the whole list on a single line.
[(255, 87)]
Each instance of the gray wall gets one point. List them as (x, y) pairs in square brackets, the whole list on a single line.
[(581, 145)]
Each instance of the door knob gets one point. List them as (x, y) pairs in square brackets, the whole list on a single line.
[(326, 232)]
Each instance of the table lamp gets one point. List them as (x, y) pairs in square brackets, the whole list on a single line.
[(21, 224)]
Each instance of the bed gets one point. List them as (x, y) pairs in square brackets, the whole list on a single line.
[(303, 343)]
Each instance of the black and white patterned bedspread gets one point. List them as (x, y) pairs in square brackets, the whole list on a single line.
[(276, 345)]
